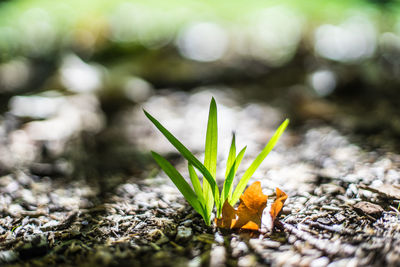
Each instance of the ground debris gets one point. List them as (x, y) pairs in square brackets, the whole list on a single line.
[(143, 219), (184, 234), (330, 248), (388, 191), (368, 208)]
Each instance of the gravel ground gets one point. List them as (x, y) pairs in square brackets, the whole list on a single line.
[(341, 210)]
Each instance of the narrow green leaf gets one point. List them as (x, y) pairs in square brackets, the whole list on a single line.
[(238, 161), (227, 185), (256, 163), (231, 156), (186, 154), (239, 158), (179, 182), (194, 178), (210, 157), (227, 188)]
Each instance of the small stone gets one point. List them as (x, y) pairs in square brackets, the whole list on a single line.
[(324, 220), (187, 223), (340, 217), (322, 261), (247, 261), (388, 191), (217, 256), (162, 204), (368, 208), (183, 234), (271, 244), (286, 211), (242, 247), (8, 256), (195, 262), (332, 189), (292, 239), (140, 225), (219, 238)]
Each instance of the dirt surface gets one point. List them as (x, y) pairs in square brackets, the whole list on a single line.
[(68, 198)]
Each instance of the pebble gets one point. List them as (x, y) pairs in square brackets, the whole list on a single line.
[(217, 256), (187, 223), (183, 234), (219, 238), (140, 225), (162, 204), (8, 256), (344, 263), (324, 220), (242, 247), (247, 261), (340, 217), (320, 262), (271, 244), (371, 209), (195, 262)]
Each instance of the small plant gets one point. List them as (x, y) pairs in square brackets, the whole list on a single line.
[(203, 198)]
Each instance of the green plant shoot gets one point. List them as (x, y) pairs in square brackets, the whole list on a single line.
[(203, 197)]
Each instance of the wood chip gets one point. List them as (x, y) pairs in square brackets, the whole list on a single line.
[(368, 208)]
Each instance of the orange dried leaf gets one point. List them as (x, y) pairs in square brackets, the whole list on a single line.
[(249, 212), (228, 218), (277, 206), (251, 207)]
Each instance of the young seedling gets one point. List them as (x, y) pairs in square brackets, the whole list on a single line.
[(203, 197)]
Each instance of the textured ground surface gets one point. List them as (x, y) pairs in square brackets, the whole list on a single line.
[(100, 215)]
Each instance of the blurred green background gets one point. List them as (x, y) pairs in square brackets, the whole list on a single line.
[(147, 37), (38, 27)]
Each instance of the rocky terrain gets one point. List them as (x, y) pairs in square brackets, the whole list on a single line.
[(78, 187)]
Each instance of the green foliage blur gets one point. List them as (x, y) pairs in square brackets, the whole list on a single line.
[(44, 27)]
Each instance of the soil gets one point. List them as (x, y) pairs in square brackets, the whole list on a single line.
[(81, 189)]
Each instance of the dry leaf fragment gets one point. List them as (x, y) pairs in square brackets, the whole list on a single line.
[(248, 214), (277, 206), (252, 204), (228, 218)]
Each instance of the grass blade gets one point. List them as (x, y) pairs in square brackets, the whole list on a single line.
[(180, 182), (231, 156), (239, 158), (256, 163), (238, 161), (194, 178), (225, 190), (186, 154), (210, 158)]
